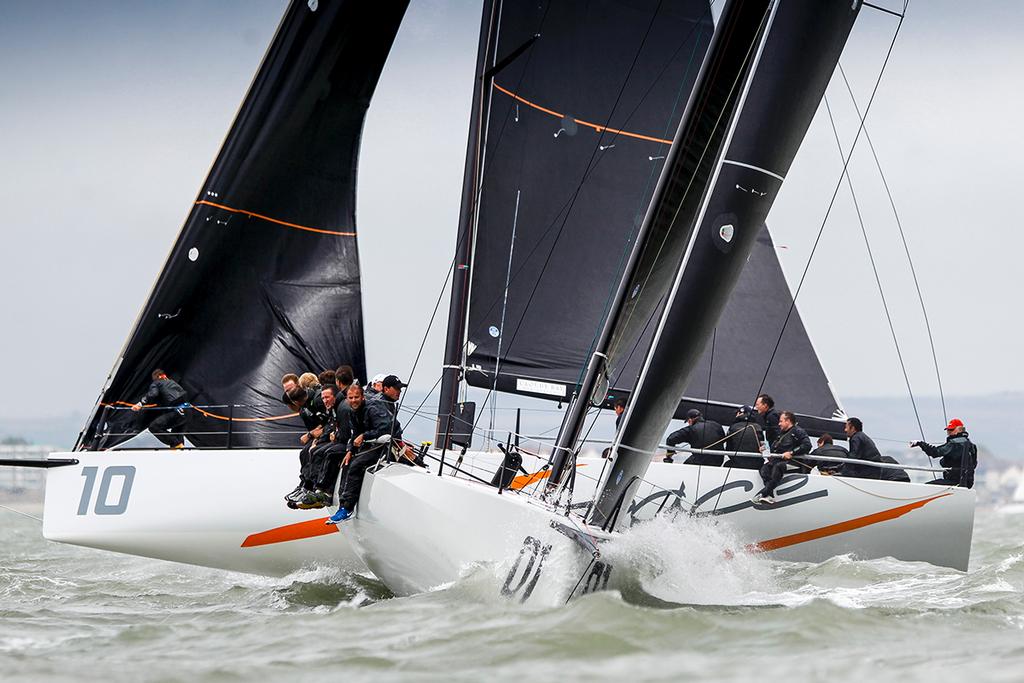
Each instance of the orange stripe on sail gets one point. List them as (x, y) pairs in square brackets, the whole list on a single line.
[(226, 418), (524, 480), (841, 527), (596, 126), (291, 532), (203, 202)]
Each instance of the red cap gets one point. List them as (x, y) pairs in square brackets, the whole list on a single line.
[(953, 424)]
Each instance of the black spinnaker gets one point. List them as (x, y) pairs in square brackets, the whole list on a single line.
[(264, 276)]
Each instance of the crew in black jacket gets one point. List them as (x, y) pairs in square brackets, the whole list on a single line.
[(699, 433), (324, 454), (745, 436), (958, 456), (830, 449), (792, 442), (381, 419), (161, 411), (768, 417), (315, 422), (861, 448)]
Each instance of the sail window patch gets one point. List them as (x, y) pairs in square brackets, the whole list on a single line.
[(313, 4), (569, 126), (193, 254), (493, 331), (533, 386), (726, 232)]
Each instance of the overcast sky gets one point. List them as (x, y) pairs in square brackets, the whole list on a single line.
[(112, 112)]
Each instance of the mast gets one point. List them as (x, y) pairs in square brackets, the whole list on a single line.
[(455, 342), (684, 180), (795, 59)]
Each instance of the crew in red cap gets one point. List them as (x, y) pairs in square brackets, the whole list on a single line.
[(958, 456)]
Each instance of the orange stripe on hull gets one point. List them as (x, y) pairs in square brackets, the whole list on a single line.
[(291, 532), (841, 527), (524, 480)]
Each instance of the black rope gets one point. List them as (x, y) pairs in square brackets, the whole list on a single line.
[(906, 247), (828, 212), (874, 269)]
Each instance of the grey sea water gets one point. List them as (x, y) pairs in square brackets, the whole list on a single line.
[(72, 614)]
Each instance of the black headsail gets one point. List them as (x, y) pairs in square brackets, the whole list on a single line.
[(567, 141), (264, 276), (796, 55)]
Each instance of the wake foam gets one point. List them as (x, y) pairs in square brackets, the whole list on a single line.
[(689, 561)]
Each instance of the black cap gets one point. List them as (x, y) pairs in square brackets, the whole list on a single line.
[(392, 381), (692, 413)]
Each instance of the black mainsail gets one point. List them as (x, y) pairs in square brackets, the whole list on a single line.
[(525, 313), (796, 56), (566, 143), (264, 276)]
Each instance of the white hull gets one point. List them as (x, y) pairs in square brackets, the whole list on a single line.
[(416, 530), (224, 509), (221, 509)]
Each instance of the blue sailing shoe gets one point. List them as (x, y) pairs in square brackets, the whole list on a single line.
[(340, 516)]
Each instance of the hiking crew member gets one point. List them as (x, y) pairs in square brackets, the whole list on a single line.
[(832, 450), (861, 448), (161, 411), (381, 419), (745, 436), (958, 456), (346, 439), (374, 387), (792, 442), (288, 383), (768, 417), (324, 455), (699, 433), (314, 421), (344, 377)]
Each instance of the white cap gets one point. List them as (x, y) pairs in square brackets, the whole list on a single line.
[(378, 378)]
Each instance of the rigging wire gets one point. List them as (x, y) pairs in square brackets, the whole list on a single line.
[(906, 247), (874, 269), (832, 201)]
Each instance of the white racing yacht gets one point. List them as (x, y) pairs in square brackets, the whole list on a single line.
[(611, 245)]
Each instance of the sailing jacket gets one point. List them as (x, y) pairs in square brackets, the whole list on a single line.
[(958, 456), (351, 423), (164, 392), (701, 434), (794, 440), (381, 419), (745, 436), (862, 448), (770, 423), (832, 451)]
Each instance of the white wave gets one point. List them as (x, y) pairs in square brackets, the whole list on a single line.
[(692, 561)]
